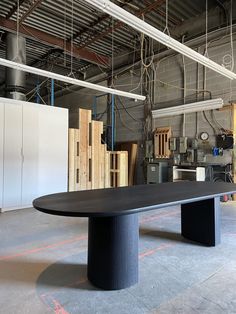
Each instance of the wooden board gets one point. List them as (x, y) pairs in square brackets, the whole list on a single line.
[(107, 170), (102, 166), (84, 119), (96, 132), (119, 168), (73, 181), (132, 149), (122, 179)]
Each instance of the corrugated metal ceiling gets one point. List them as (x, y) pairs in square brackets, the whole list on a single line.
[(75, 19)]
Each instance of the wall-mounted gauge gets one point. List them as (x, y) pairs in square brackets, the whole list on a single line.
[(204, 136)]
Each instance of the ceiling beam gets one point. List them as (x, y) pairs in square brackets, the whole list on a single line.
[(120, 24), (14, 9), (33, 6), (78, 52), (101, 19)]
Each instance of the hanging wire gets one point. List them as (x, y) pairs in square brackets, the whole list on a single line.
[(166, 29), (112, 53), (65, 30), (206, 49), (184, 88), (71, 41), (231, 44), (231, 34), (132, 69), (17, 30)]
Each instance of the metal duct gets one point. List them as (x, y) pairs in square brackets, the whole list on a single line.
[(15, 79)]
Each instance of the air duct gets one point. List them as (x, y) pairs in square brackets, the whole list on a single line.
[(15, 79)]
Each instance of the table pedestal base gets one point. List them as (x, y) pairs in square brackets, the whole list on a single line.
[(200, 221), (113, 251)]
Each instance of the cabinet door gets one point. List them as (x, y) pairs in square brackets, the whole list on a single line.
[(53, 150), (1, 150), (12, 156), (30, 153)]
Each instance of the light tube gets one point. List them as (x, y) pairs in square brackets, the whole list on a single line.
[(141, 26), (66, 79), (188, 108)]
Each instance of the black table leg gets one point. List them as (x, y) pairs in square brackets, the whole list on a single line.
[(113, 251), (200, 221)]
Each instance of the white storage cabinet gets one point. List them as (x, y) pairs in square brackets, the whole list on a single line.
[(33, 152)]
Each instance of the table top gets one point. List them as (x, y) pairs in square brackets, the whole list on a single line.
[(129, 200)]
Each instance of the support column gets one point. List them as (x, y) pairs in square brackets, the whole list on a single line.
[(200, 221), (113, 251)]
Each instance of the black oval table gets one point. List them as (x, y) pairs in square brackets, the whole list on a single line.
[(113, 222)]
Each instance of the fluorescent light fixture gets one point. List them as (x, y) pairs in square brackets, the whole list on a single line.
[(141, 26), (188, 108), (66, 79)]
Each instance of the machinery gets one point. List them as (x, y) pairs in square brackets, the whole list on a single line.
[(188, 156), (157, 172)]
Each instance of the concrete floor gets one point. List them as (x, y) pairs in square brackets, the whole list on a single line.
[(43, 267)]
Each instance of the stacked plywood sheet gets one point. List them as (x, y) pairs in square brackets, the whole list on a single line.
[(90, 164)]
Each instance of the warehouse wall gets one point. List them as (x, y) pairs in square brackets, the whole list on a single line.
[(168, 91), (170, 83)]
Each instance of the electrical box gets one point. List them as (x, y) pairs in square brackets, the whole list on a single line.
[(193, 143), (157, 172), (149, 149), (183, 145), (190, 155), (172, 143)]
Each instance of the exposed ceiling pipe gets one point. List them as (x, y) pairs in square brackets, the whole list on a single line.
[(15, 79)]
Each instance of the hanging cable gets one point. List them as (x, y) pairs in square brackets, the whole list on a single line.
[(231, 43), (122, 122), (166, 29), (132, 70), (206, 49), (17, 30), (72, 40), (231, 34), (65, 31), (126, 110), (184, 88), (112, 53), (142, 48)]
